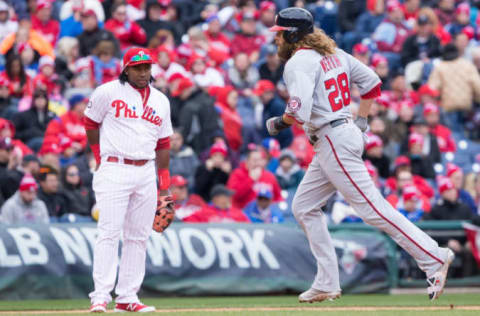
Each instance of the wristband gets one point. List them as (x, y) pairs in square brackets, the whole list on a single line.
[(96, 152), (163, 179)]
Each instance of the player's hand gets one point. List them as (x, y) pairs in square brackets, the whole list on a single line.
[(272, 125), (164, 214)]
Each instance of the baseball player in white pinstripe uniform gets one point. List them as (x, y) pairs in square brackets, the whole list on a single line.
[(318, 77), (128, 128)]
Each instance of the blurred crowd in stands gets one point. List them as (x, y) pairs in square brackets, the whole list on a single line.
[(217, 63)]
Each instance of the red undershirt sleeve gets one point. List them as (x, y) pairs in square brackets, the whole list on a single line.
[(375, 92), (163, 143), (90, 124)]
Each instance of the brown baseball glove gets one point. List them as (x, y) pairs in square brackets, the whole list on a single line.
[(164, 214)]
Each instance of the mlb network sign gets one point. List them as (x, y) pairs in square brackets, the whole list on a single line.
[(187, 259)]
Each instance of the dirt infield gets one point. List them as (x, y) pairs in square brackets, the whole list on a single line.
[(273, 309)]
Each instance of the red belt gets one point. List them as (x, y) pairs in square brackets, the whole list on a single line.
[(128, 161)]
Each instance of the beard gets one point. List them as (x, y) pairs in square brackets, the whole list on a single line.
[(285, 51)]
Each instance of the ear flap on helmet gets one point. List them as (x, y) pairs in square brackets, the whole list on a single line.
[(291, 37)]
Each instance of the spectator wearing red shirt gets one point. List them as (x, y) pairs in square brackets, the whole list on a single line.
[(222, 210), (129, 33), (247, 40), (445, 11), (70, 124), (226, 105), (403, 163), (19, 82), (404, 178), (47, 79), (43, 23), (410, 11), (188, 207), (250, 178), (216, 38), (374, 153), (446, 143)]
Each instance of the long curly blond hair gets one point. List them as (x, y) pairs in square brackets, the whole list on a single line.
[(318, 40)]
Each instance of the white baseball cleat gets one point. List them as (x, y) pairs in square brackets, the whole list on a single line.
[(133, 307), (313, 295), (437, 281), (98, 308)]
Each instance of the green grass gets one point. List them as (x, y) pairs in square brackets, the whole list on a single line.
[(267, 301)]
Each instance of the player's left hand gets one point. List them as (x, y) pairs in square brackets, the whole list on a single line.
[(272, 130), (164, 214)]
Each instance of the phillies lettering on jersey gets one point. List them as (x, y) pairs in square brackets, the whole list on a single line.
[(129, 130), (321, 85)]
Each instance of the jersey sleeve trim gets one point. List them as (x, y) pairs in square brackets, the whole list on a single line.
[(163, 143), (90, 124), (375, 92)]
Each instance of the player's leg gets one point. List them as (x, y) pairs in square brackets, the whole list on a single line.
[(312, 193), (112, 201), (137, 229), (341, 157)]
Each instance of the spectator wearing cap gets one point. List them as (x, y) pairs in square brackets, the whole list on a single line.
[(272, 68), (129, 33), (461, 19), (104, 66), (402, 163), (430, 145), (7, 25), (153, 21), (10, 178), (198, 118), (215, 37), (403, 178), (70, 125), (427, 95), (70, 18), (31, 125), (78, 197), (166, 66), (7, 130), (183, 159), (445, 140), (451, 75), (247, 40), (348, 13), (422, 44), (226, 105), (19, 82), (49, 193), (289, 174), (455, 174), (266, 11), (92, 34), (272, 106), (411, 10), (373, 172), (391, 33), (362, 53), (249, 177), (222, 209), (50, 153), (410, 204), (370, 19), (374, 153), (24, 207), (215, 170), (445, 11), (243, 75), (189, 208), (43, 22), (271, 149), (421, 164), (263, 210), (26, 35), (46, 78)]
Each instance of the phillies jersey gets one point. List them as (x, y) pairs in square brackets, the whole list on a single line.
[(129, 128), (319, 86)]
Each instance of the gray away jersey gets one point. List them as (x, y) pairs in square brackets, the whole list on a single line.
[(319, 86)]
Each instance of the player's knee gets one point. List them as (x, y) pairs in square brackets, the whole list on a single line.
[(297, 209)]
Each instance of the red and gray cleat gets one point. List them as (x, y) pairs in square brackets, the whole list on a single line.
[(437, 281), (313, 295), (133, 307), (98, 308)]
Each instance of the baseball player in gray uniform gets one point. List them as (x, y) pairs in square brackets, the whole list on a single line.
[(318, 77)]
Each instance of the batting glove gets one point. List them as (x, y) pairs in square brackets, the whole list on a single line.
[(275, 125), (361, 123)]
